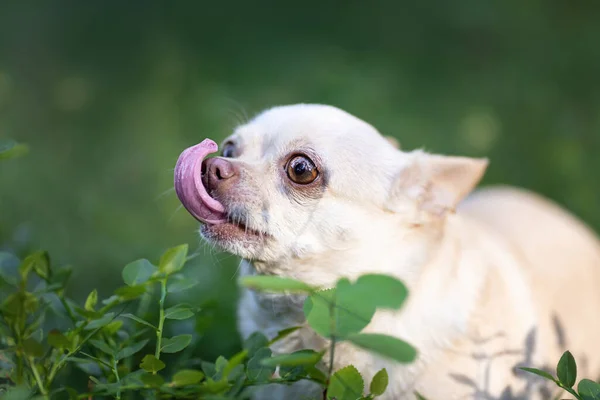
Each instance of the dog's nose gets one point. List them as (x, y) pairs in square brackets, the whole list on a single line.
[(218, 174)]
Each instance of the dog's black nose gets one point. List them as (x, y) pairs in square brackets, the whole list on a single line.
[(218, 174)]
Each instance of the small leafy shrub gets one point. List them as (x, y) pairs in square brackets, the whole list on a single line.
[(340, 314), (566, 376), (46, 336)]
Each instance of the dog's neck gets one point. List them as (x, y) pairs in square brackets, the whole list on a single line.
[(443, 296), (440, 282)]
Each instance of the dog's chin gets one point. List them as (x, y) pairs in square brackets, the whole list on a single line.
[(235, 238)]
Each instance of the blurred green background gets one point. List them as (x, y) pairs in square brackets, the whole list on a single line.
[(108, 93)]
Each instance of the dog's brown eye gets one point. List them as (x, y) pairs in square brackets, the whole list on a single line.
[(228, 150), (302, 170)]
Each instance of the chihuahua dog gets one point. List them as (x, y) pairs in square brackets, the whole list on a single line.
[(498, 278)]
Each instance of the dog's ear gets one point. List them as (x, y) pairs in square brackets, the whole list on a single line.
[(438, 183), (393, 141)]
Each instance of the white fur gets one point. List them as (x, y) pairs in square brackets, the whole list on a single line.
[(485, 282)]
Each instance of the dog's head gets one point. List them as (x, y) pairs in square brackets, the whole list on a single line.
[(311, 183)]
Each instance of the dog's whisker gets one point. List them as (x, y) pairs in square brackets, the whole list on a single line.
[(164, 194), (237, 270), (175, 212), (241, 114)]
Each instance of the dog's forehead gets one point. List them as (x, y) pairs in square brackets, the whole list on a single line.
[(324, 129)]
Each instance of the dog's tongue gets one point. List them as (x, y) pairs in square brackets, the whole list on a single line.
[(189, 187)]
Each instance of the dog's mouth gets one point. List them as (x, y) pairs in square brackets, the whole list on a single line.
[(192, 193), (191, 190)]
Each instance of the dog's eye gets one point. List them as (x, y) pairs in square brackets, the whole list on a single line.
[(228, 150), (302, 170)]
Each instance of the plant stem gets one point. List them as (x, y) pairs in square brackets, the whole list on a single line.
[(55, 368), (141, 312), (332, 337), (332, 333), (331, 358), (116, 372), (68, 310), (38, 378), (161, 317)]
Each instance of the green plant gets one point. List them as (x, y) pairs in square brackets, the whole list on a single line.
[(566, 376), (45, 336), (340, 314)]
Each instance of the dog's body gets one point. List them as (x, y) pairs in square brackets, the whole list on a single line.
[(499, 279)]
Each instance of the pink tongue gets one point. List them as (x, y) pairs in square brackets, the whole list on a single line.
[(189, 187)]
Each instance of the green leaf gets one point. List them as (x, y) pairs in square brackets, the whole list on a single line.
[(282, 334), (173, 259), (87, 366), (130, 292), (316, 374), (220, 366), (102, 346), (91, 301), (293, 373), (113, 327), (187, 377), (41, 265), (20, 303), (35, 333), (255, 370), (566, 370), (381, 291), (39, 262), (234, 361), (179, 312), (539, 372), (209, 368), (62, 274), (139, 320), (179, 283), (338, 312), (301, 357), (33, 348), (379, 382), (25, 268), (20, 392), (152, 380), (346, 384), (220, 363), (131, 350), (112, 299), (353, 312), (99, 323), (138, 272), (255, 342), (151, 364), (58, 340), (213, 386), (176, 343), (588, 390), (317, 311), (9, 265), (85, 313), (384, 345), (420, 396), (275, 284)]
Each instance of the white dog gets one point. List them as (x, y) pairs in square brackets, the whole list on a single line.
[(499, 279)]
